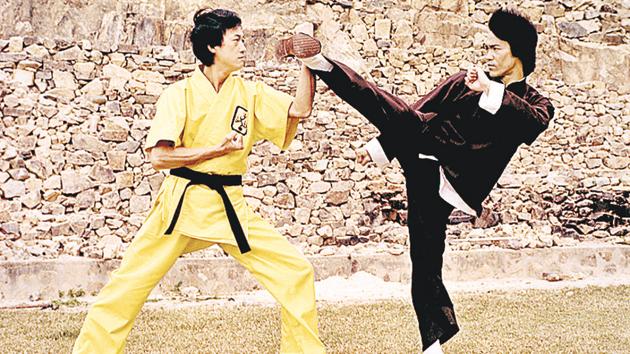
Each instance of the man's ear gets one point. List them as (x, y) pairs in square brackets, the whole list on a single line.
[(211, 49)]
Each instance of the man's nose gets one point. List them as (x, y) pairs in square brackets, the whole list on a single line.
[(487, 57)]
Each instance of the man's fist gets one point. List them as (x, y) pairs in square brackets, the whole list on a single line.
[(232, 142), (363, 157), (477, 80)]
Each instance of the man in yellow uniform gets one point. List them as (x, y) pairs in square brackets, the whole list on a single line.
[(203, 130)]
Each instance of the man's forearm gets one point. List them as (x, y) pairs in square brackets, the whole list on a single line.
[(303, 103), (163, 158)]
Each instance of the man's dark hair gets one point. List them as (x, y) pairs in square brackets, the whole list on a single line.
[(210, 26), (514, 28)]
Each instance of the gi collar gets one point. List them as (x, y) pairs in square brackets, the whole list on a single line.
[(201, 82)]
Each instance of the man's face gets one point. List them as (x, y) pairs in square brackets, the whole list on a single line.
[(500, 61), (231, 53)]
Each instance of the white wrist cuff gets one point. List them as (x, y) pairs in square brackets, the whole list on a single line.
[(492, 101)]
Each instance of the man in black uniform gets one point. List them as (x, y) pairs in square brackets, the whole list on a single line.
[(453, 144)]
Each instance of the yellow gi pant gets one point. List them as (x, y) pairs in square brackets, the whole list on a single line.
[(273, 261)]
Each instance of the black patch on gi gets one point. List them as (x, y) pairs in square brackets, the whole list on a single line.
[(239, 120)]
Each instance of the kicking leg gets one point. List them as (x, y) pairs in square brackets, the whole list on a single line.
[(386, 111), (381, 108)]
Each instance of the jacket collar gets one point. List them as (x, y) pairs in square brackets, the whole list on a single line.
[(517, 87)]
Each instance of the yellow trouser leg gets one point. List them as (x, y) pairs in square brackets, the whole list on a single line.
[(111, 318), (288, 342), (288, 276)]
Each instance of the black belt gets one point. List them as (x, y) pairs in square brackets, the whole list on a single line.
[(215, 182)]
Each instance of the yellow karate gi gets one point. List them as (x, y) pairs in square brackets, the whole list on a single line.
[(191, 113)]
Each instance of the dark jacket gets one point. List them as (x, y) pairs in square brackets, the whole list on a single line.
[(472, 145)]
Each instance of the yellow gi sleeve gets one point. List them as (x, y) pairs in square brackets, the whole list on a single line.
[(170, 117), (271, 110)]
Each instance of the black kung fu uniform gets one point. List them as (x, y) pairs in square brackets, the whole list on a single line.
[(473, 147)]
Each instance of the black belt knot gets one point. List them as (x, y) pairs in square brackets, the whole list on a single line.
[(215, 182)]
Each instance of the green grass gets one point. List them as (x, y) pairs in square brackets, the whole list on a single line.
[(569, 320)]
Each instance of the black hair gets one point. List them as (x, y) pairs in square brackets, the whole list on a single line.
[(514, 28), (210, 26)]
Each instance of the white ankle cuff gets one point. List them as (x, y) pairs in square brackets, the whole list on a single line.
[(318, 62), (434, 348)]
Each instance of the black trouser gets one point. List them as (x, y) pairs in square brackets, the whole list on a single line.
[(427, 219), (428, 212)]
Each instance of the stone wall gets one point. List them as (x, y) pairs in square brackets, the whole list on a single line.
[(77, 96)]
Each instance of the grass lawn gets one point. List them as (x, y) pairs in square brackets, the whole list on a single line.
[(569, 320)]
